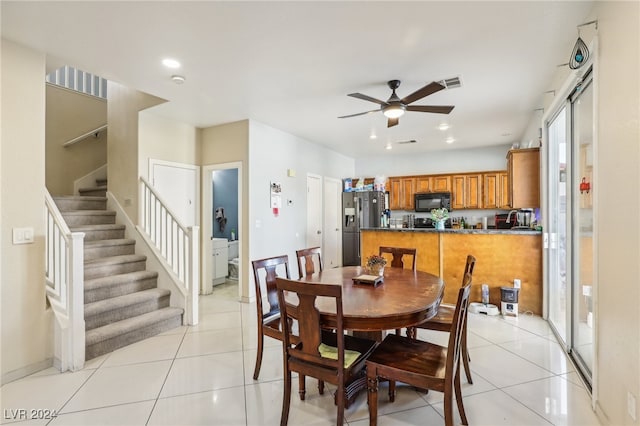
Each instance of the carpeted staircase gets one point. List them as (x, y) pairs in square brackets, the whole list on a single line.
[(122, 301)]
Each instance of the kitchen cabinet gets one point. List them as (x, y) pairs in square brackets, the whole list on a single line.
[(467, 191), (423, 184), (523, 168), (401, 193), (394, 186), (441, 183), (408, 192), (495, 190), (504, 201)]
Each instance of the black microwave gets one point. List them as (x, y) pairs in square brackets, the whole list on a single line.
[(427, 201)]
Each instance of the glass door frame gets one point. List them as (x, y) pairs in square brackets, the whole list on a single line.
[(563, 98)]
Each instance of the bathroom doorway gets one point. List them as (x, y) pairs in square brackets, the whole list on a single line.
[(222, 230)]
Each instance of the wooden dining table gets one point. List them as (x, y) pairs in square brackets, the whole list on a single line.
[(403, 299)]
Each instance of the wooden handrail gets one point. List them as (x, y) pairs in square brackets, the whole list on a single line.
[(83, 136)]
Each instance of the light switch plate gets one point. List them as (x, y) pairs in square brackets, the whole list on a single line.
[(22, 235)]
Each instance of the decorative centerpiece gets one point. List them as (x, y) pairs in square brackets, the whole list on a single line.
[(439, 216), (376, 264)]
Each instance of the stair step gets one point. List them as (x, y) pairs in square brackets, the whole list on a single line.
[(99, 191), (89, 217), (101, 182), (100, 232), (118, 285), (78, 202), (103, 312), (106, 248), (122, 333), (114, 265)]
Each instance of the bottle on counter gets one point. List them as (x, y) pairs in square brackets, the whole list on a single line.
[(461, 222)]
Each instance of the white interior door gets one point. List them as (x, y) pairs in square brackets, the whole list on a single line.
[(177, 184), (332, 230), (314, 211)]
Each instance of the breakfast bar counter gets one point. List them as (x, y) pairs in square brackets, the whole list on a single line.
[(502, 255)]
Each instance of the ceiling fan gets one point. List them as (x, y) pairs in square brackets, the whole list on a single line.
[(394, 107)]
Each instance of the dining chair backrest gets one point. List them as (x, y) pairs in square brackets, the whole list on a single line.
[(309, 323), (270, 267), (457, 325), (309, 256), (468, 269), (397, 254)]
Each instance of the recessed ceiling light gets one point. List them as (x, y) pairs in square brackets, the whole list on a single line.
[(443, 126), (388, 146), (170, 63), (177, 79), (450, 140), (373, 135)]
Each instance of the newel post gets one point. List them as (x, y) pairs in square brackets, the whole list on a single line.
[(75, 303), (193, 284)]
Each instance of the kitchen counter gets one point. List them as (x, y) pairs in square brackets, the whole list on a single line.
[(501, 256), (460, 231)]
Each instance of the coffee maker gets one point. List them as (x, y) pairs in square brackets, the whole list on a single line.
[(524, 218)]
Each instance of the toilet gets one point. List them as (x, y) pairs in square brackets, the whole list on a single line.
[(234, 262)]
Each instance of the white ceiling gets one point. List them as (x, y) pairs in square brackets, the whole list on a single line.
[(291, 64)]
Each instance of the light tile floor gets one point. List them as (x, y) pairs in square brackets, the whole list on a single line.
[(202, 375)]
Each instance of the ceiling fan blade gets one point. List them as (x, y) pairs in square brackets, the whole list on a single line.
[(438, 109), (360, 113), (392, 122), (427, 90), (367, 98)]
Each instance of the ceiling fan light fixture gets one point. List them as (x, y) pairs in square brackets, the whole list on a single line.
[(393, 111)]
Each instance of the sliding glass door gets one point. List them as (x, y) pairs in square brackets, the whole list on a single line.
[(569, 208), (582, 227), (557, 224)]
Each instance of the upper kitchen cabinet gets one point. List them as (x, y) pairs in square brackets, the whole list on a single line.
[(495, 190), (423, 184), (523, 168), (401, 192), (467, 191), (442, 183)]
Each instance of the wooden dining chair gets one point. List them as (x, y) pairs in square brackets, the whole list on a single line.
[(269, 322), (444, 318), (421, 364), (307, 256), (397, 254), (329, 356)]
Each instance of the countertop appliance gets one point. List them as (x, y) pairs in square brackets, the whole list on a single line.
[(427, 201), (359, 210), (426, 222)]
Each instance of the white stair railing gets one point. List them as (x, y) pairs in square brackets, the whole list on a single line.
[(78, 80), (177, 244), (64, 276)]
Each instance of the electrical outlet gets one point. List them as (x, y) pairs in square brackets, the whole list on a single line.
[(516, 283), (631, 405)]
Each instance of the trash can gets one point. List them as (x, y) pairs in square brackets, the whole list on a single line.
[(509, 304)]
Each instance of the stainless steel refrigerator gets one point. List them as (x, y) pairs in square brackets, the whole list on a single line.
[(359, 210)]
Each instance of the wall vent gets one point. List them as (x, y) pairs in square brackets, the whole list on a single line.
[(451, 83)]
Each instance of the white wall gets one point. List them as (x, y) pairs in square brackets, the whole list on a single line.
[(271, 153), (27, 341), (618, 241), (449, 161), (162, 138)]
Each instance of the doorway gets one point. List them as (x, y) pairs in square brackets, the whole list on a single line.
[(569, 271), (222, 230)]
